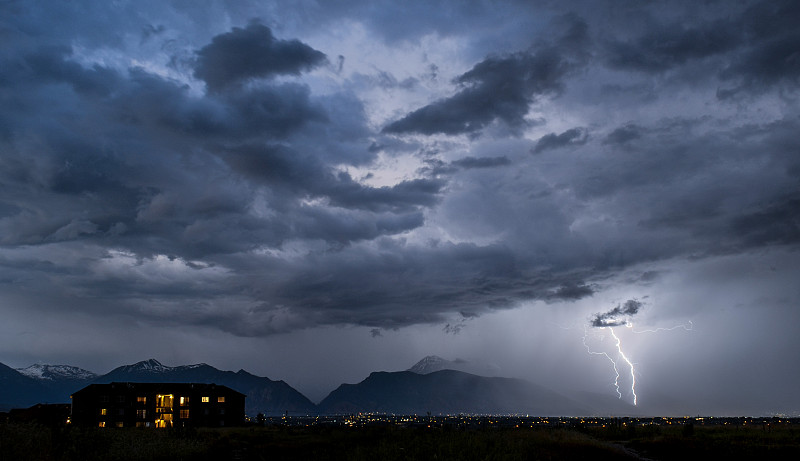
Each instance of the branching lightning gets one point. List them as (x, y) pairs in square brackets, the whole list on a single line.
[(688, 326), (614, 363), (622, 354), (617, 317)]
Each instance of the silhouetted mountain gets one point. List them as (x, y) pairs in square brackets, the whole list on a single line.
[(446, 392), (405, 392), (20, 391), (263, 394), (433, 363)]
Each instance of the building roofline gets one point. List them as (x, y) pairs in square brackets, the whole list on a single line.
[(150, 386)]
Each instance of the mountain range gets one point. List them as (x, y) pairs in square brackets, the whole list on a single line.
[(432, 385), (446, 392)]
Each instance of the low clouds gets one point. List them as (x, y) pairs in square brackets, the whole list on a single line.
[(618, 316), (252, 52)]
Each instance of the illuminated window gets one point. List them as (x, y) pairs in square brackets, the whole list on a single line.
[(141, 414), (184, 414), (141, 424), (164, 403), (221, 399), (204, 399), (141, 399), (101, 424), (103, 411), (164, 420), (119, 424), (184, 401)]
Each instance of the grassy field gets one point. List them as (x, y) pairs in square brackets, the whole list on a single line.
[(34, 442)]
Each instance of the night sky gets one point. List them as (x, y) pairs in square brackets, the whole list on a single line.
[(315, 190)]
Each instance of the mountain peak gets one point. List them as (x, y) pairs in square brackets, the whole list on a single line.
[(149, 365), (433, 363), (56, 372)]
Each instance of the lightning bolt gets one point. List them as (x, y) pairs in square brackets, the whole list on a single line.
[(622, 354), (613, 363), (689, 326)]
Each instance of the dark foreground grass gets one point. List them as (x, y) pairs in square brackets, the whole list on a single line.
[(33, 442), (710, 442)]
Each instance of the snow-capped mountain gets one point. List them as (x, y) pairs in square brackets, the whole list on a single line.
[(154, 367), (56, 372), (145, 366), (433, 363), (40, 383)]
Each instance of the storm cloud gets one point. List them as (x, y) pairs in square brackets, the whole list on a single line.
[(252, 52), (498, 88), (272, 172), (573, 136), (618, 316)]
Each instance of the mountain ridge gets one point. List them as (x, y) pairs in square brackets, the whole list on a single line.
[(55, 372), (422, 388), (447, 392), (432, 363), (264, 395)]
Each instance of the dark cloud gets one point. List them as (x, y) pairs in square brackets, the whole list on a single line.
[(624, 134), (769, 55), (399, 285), (672, 45), (482, 162), (53, 64), (273, 203), (617, 316), (453, 329), (141, 163), (252, 52), (777, 223), (571, 137), (749, 49), (571, 292), (272, 112), (435, 167), (283, 168), (764, 65), (498, 88), (345, 226)]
